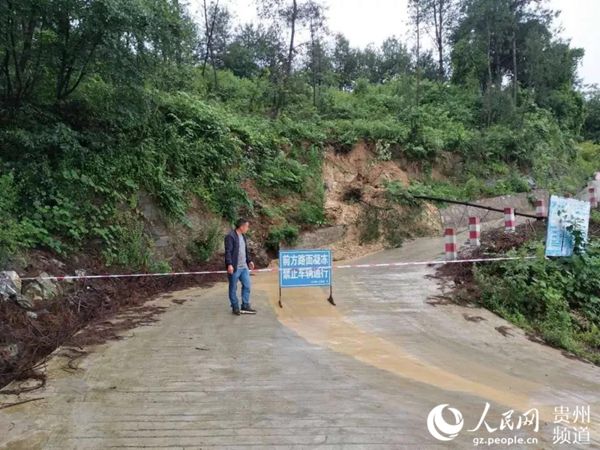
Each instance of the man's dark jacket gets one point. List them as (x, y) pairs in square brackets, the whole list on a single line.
[(232, 249)]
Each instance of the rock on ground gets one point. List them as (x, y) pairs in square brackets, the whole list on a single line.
[(42, 288), (10, 285)]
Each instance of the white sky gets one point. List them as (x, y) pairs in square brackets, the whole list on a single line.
[(371, 21)]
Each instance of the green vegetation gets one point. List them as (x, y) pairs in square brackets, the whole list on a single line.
[(207, 243), (369, 225), (557, 298), (286, 234), (103, 99)]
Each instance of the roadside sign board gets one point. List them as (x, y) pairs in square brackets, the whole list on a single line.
[(304, 268), (563, 215)]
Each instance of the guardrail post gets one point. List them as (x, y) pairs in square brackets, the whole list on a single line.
[(509, 220), (474, 231), (450, 244), (540, 208), (592, 197)]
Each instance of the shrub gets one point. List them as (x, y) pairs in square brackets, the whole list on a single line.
[(309, 213), (285, 234), (283, 174), (207, 243), (11, 231), (368, 225), (559, 298), (127, 245)]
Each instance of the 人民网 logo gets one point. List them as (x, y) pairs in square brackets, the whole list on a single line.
[(439, 428)]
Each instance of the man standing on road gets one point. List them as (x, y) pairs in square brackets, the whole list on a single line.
[(237, 260)]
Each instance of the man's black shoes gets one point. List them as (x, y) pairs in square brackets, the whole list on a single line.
[(244, 310), (248, 310)]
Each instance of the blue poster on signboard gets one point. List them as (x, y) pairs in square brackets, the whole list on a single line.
[(565, 214), (302, 268)]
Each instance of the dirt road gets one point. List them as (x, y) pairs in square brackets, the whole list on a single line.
[(364, 374)]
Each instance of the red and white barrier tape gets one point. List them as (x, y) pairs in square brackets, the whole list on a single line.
[(436, 262), (133, 275), (212, 272)]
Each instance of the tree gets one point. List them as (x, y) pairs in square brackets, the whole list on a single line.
[(481, 42), (415, 8), (591, 127), (500, 40), (316, 26), (50, 46), (522, 13), (368, 60), (216, 32), (441, 16), (394, 59), (24, 26), (61, 35), (253, 51), (344, 61), (376, 65), (291, 15)]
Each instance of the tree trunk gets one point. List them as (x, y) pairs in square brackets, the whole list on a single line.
[(438, 18), (313, 65), (314, 81), (292, 36), (205, 59), (290, 58), (490, 79), (214, 64), (418, 25), (319, 77), (515, 77), (209, 31)]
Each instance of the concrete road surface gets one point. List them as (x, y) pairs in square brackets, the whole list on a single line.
[(365, 374)]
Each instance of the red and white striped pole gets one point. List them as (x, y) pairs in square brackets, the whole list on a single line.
[(474, 231), (540, 208), (509, 220), (592, 196), (450, 244)]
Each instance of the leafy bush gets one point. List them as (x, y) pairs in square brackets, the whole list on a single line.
[(10, 231), (346, 133), (309, 213), (207, 244), (283, 174), (285, 234), (559, 298), (591, 126), (368, 224), (126, 245)]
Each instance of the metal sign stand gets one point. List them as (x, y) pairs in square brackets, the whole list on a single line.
[(329, 299), (280, 304)]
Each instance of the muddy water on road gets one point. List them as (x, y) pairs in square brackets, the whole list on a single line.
[(431, 356)]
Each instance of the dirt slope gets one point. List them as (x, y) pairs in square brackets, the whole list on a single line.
[(356, 188)]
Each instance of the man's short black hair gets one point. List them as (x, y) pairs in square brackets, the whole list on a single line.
[(240, 222)]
